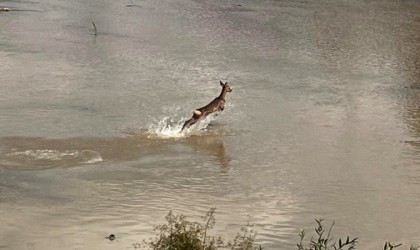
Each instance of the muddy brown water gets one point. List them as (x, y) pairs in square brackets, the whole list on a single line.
[(323, 120)]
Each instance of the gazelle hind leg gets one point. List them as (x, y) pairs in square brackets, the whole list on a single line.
[(188, 123), (196, 115)]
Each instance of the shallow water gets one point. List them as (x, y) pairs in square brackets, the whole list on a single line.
[(323, 120)]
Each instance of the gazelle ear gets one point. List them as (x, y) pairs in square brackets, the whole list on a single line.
[(222, 84)]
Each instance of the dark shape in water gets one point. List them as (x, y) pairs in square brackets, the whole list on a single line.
[(111, 237), (94, 29)]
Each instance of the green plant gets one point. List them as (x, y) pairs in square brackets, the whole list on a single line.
[(244, 240), (323, 242), (180, 234)]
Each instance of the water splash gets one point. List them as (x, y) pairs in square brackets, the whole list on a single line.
[(168, 127)]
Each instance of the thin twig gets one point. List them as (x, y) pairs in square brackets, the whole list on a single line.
[(94, 28), (329, 231)]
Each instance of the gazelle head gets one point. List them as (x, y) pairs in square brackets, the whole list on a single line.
[(226, 86)]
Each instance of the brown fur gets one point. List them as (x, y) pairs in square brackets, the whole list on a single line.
[(217, 105)]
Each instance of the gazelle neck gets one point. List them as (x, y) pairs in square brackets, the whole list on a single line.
[(223, 93)]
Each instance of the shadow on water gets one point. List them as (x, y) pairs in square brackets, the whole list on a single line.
[(33, 153)]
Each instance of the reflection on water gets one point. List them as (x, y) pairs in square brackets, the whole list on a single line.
[(411, 115), (211, 146), (28, 153), (137, 183), (408, 74), (379, 54)]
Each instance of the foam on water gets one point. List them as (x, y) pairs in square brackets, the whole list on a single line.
[(82, 156), (167, 127), (46, 154)]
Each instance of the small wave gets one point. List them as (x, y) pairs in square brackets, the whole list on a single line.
[(94, 160), (90, 157), (167, 127), (46, 154), (83, 156)]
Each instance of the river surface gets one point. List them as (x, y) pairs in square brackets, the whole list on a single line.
[(323, 120)]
